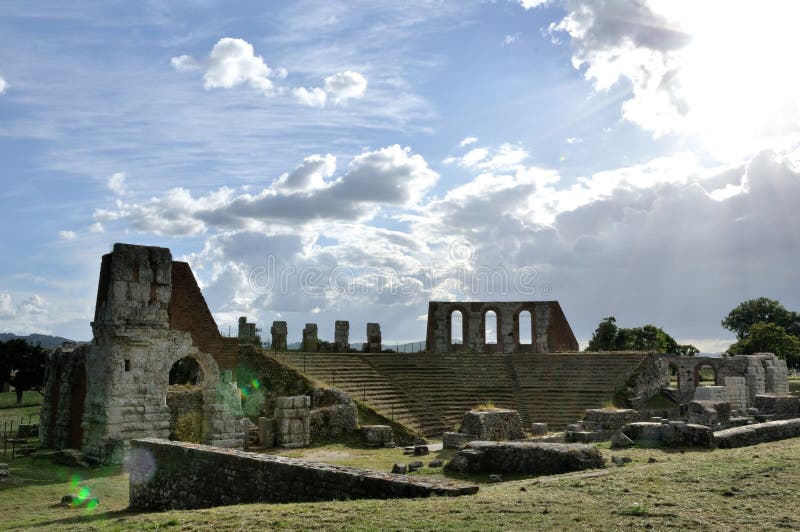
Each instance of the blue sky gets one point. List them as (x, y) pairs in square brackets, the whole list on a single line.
[(630, 158)]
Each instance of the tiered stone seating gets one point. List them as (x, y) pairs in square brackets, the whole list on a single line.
[(430, 392)]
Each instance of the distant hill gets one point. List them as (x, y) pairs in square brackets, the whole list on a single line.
[(45, 340)]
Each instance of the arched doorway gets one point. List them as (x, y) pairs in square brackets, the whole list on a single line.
[(185, 401), (76, 406), (525, 331), (705, 375), (674, 377), (491, 331), (457, 331)]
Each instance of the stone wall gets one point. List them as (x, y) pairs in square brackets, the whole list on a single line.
[(310, 338), (186, 413), (550, 331), (341, 336), (758, 433), (174, 475), (279, 332), (292, 423), (374, 341)]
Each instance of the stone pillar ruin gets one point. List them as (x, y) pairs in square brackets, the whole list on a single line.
[(341, 336), (373, 337), (292, 425), (310, 340), (248, 334), (279, 333)]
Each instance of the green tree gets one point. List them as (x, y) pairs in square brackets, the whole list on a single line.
[(763, 337), (761, 310), (605, 336), (22, 365), (609, 337)]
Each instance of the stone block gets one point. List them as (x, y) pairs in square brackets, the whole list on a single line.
[(455, 440), (266, 432), (538, 429), (525, 458), (493, 425), (611, 419), (711, 393), (377, 435)]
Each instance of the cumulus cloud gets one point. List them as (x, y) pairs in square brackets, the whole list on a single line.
[(3, 85), (314, 97), (66, 235), (466, 141), (715, 70), (232, 62), (510, 39), (387, 177), (116, 183), (345, 85), (530, 4), (29, 307)]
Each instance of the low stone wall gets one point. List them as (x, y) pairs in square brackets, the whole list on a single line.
[(525, 458), (292, 424), (670, 434), (175, 475), (758, 433), (493, 425), (455, 440), (783, 407)]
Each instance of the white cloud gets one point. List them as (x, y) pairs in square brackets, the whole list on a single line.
[(573, 140), (510, 39), (345, 85), (66, 235), (530, 4), (314, 97), (715, 70), (3, 85), (232, 62), (116, 183), (7, 308), (96, 227), (466, 141), (309, 175)]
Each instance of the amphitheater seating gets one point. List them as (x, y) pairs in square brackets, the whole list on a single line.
[(430, 392)]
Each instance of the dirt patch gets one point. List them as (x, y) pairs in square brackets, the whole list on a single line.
[(325, 456)]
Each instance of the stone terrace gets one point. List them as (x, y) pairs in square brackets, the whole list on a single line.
[(433, 391)]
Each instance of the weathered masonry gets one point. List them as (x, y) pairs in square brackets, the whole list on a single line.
[(174, 475), (541, 321), (150, 319)]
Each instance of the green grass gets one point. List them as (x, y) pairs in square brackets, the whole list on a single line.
[(752, 488), (29, 398)]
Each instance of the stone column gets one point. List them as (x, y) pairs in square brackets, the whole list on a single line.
[(278, 331), (342, 336), (373, 337), (310, 342)]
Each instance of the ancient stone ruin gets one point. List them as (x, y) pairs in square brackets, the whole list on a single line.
[(544, 322), (150, 319), (279, 332), (341, 337), (374, 338), (248, 334), (310, 340)]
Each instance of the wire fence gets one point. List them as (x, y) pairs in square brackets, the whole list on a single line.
[(9, 433)]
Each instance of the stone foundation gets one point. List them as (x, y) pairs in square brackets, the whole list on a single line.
[(377, 435), (758, 433), (525, 458), (292, 423), (456, 440), (670, 434), (173, 475), (333, 413)]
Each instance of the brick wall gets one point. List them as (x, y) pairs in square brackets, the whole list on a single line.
[(189, 312)]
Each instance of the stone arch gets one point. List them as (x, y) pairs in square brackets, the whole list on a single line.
[(497, 346), (518, 345), (464, 328), (699, 371)]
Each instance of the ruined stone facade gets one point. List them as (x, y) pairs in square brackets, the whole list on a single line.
[(341, 336), (738, 379), (374, 341), (150, 314), (279, 332), (549, 330)]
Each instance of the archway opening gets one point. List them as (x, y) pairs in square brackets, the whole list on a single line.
[(706, 375), (185, 401), (674, 377), (490, 327), (456, 328), (525, 326)]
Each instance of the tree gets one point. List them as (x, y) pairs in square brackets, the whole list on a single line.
[(609, 337), (761, 310), (22, 365), (763, 337)]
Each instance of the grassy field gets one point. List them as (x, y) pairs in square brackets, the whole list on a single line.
[(29, 398), (752, 488)]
